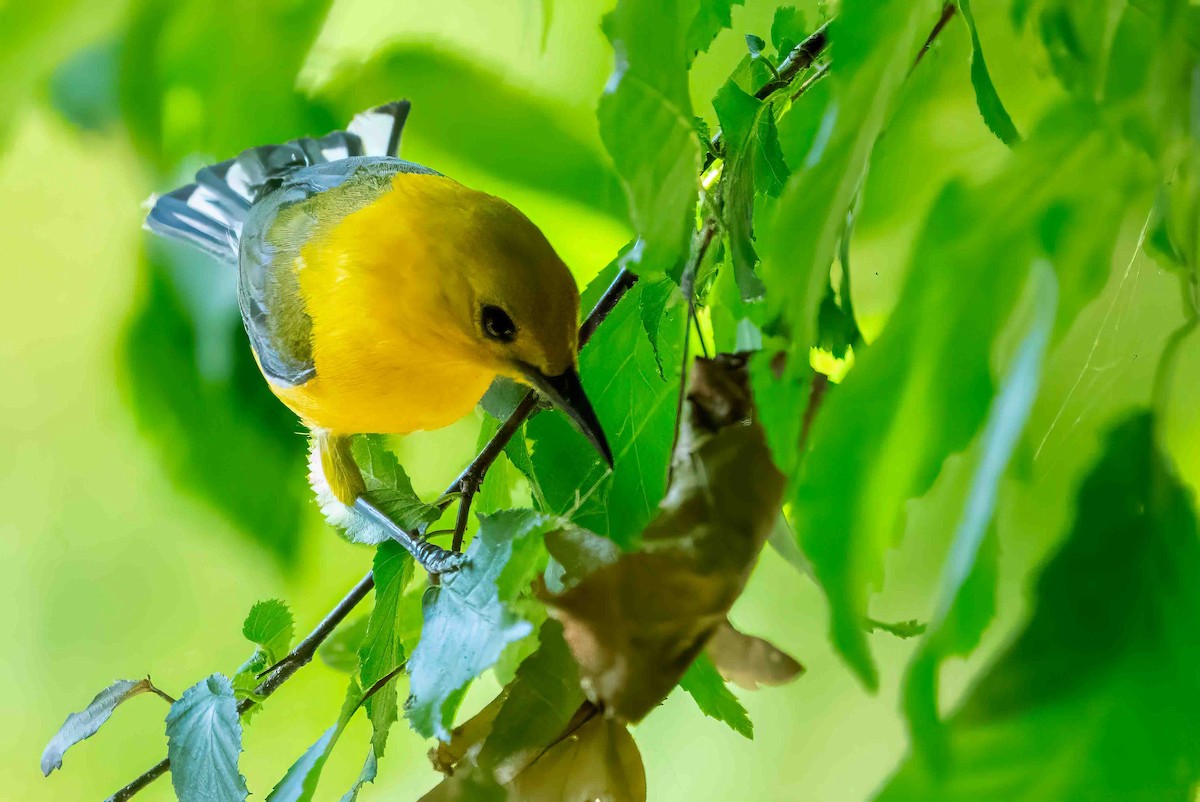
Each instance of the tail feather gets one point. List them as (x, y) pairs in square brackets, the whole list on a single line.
[(210, 213)]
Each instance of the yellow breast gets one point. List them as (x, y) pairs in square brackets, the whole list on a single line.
[(389, 352)]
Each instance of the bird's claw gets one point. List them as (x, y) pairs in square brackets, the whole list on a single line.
[(437, 560)]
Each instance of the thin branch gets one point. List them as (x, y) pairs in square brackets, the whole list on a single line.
[(801, 58), (948, 12)]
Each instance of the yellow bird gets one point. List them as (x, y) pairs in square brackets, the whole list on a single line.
[(380, 296)]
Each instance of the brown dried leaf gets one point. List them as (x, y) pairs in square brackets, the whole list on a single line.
[(635, 625), (749, 662), (467, 739), (599, 760)]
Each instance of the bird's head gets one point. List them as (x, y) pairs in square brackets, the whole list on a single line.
[(515, 302)]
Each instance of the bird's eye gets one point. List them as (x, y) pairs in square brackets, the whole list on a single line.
[(497, 324)]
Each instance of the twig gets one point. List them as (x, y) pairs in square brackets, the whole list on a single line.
[(801, 57), (948, 12)]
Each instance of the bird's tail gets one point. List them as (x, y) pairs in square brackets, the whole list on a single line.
[(209, 213)]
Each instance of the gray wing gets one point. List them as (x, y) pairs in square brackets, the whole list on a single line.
[(304, 203)]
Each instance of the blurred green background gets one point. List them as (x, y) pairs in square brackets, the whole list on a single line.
[(152, 490)]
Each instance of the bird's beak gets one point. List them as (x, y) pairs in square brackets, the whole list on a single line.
[(565, 391)]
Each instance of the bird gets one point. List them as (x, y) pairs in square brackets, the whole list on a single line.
[(380, 296)]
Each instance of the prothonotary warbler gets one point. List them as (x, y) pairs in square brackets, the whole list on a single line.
[(380, 296)]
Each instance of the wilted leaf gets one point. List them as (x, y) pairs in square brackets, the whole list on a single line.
[(646, 124), (636, 624), (749, 662), (87, 722), (991, 108), (1098, 697), (467, 738), (204, 741), (704, 684), (270, 625), (958, 626), (538, 705), (469, 617), (599, 760)]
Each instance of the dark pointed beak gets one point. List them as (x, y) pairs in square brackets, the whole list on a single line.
[(565, 391)]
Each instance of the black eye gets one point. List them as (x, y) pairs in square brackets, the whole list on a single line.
[(497, 324)]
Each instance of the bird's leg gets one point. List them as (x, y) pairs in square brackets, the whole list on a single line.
[(468, 486), (345, 480)]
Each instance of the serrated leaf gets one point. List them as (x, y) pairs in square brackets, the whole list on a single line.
[(1072, 712), (753, 163), (300, 782), (635, 624), (270, 625), (646, 124), (389, 489), (712, 16), (704, 684), (991, 108), (369, 770), (957, 624), (875, 43), (87, 722), (637, 409), (389, 638), (204, 742), (922, 390), (469, 618)]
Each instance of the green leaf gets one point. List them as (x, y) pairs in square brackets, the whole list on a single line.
[(637, 409), (541, 701), (646, 125), (635, 624), (389, 637), (922, 390), (371, 766), (712, 16), (991, 108), (270, 625), (705, 685), (963, 610), (788, 29), (469, 618), (204, 740), (183, 77), (474, 111), (389, 489), (198, 396), (755, 45), (299, 784), (83, 89), (753, 163), (1097, 698), (340, 650), (875, 44), (87, 722)]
